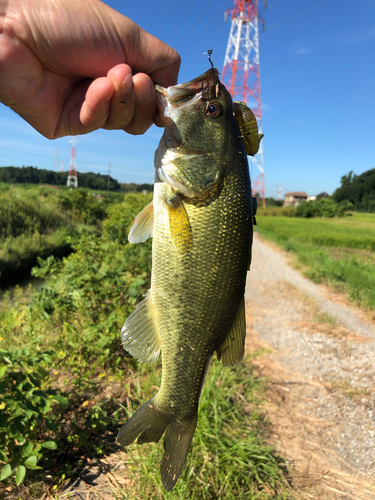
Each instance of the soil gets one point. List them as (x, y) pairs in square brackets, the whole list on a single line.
[(319, 363), (316, 352)]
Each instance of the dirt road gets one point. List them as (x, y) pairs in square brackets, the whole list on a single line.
[(321, 399)]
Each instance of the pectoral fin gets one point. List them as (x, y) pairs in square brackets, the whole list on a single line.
[(143, 225), (179, 225), (232, 349), (139, 335)]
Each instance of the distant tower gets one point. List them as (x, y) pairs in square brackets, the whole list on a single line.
[(241, 73), (72, 177), (279, 192), (62, 166)]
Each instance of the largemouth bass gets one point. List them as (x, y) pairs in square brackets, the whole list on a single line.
[(201, 223)]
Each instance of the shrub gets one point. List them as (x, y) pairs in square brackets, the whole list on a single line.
[(25, 409), (325, 207)]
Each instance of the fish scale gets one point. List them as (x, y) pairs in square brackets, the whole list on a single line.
[(224, 249), (201, 223)]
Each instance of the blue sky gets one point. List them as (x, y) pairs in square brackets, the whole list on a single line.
[(317, 65)]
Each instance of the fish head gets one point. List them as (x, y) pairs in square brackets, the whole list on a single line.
[(199, 122)]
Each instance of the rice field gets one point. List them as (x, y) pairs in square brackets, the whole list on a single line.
[(338, 252)]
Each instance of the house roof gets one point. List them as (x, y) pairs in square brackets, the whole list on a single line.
[(297, 194)]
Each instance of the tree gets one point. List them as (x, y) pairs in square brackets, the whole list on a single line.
[(359, 190)]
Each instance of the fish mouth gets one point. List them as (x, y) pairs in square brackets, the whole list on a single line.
[(204, 87), (172, 148)]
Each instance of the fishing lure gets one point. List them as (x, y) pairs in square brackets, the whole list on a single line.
[(247, 123)]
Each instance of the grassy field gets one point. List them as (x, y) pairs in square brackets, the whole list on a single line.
[(67, 385), (39, 221), (338, 251), (228, 457)]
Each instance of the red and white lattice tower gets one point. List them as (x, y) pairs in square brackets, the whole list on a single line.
[(241, 74), (72, 177)]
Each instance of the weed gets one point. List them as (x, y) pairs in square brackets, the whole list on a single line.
[(228, 457), (66, 337)]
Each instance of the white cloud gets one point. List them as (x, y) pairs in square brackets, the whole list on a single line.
[(303, 49), (353, 38)]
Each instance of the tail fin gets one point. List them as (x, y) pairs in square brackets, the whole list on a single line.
[(177, 441), (149, 424)]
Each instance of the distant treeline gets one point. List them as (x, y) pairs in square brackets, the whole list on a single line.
[(359, 190), (34, 175), (136, 188)]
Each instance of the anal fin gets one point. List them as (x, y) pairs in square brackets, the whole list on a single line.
[(143, 225), (139, 335), (147, 423), (232, 350)]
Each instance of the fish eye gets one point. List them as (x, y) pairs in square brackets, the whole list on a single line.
[(213, 109)]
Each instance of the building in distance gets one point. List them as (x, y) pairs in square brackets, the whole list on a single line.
[(294, 199)]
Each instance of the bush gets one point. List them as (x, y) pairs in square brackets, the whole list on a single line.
[(324, 207), (276, 211), (26, 423), (77, 315)]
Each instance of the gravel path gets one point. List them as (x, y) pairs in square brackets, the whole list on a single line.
[(323, 411)]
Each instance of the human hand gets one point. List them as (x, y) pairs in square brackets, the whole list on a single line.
[(70, 67)]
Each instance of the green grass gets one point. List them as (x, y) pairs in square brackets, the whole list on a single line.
[(228, 457), (339, 252), (77, 316), (38, 222)]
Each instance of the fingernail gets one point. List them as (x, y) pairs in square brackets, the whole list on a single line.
[(145, 91), (126, 85)]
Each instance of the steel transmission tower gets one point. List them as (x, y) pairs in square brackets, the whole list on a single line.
[(241, 74), (72, 177)]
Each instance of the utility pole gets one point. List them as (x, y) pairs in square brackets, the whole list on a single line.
[(241, 73), (56, 157), (279, 197), (109, 174)]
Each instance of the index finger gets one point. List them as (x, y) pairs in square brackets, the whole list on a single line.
[(147, 54)]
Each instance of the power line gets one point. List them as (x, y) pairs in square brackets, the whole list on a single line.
[(296, 15), (91, 163), (178, 24), (172, 11), (199, 20), (189, 61)]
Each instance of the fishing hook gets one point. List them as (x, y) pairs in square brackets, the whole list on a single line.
[(209, 52)]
